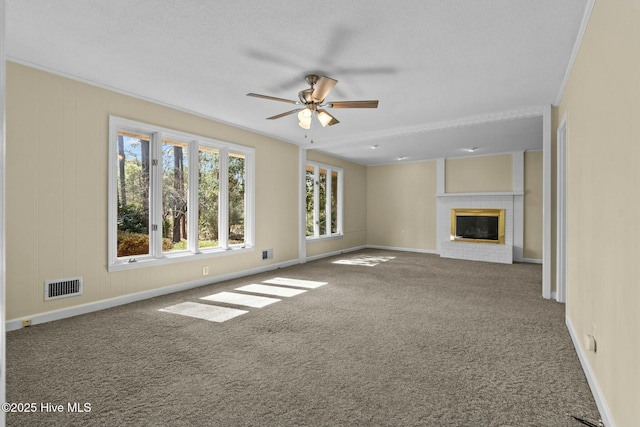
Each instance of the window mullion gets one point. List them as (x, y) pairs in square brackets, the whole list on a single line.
[(155, 196), (327, 203), (249, 202), (223, 201), (113, 194), (192, 198), (340, 202), (316, 201)]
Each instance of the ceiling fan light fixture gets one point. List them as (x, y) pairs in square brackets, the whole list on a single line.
[(305, 124), (304, 115), (324, 118)]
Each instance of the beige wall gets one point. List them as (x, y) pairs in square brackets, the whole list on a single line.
[(57, 145), (533, 205), (601, 102), (479, 174), (401, 205), (355, 208)]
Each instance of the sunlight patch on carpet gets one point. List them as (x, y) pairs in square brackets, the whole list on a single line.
[(365, 260), (208, 312), (271, 290), (241, 299), (309, 284)]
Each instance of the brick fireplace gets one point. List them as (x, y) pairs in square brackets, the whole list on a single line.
[(474, 251)]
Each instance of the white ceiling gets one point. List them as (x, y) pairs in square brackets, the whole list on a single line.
[(449, 74)]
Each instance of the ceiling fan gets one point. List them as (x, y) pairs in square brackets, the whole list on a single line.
[(312, 102)]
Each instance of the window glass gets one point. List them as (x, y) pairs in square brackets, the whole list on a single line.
[(175, 173), (310, 187), (133, 194), (334, 202), (208, 196), (236, 198), (322, 200)]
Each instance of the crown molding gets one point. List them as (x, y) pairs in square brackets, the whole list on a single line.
[(522, 113), (574, 53)]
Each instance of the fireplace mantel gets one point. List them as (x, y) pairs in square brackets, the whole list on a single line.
[(501, 193)]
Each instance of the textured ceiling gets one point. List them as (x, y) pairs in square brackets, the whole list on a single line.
[(449, 74)]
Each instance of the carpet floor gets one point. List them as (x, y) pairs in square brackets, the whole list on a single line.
[(391, 339)]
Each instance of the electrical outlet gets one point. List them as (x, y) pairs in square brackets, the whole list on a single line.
[(590, 343), (26, 323), (205, 270)]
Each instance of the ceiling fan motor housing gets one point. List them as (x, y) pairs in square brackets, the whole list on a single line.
[(306, 96), (312, 79)]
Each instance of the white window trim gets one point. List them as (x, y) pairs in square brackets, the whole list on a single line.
[(156, 256), (328, 193)]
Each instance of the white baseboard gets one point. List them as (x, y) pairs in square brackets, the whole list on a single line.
[(601, 402), (396, 248), (328, 254), (14, 324), (357, 248), (435, 252)]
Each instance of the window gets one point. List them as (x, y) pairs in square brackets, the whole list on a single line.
[(173, 195), (324, 200)]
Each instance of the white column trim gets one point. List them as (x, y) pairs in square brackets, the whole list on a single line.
[(440, 189), (561, 211), (302, 211), (3, 161), (546, 202), (440, 176)]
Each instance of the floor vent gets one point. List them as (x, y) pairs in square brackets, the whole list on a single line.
[(62, 288)]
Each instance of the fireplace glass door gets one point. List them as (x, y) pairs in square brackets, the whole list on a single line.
[(478, 225)]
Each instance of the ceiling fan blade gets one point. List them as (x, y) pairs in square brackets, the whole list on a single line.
[(331, 122), (322, 89), (284, 114), (273, 98), (353, 104)]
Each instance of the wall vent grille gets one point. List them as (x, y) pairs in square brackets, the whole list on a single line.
[(267, 254), (62, 288)]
